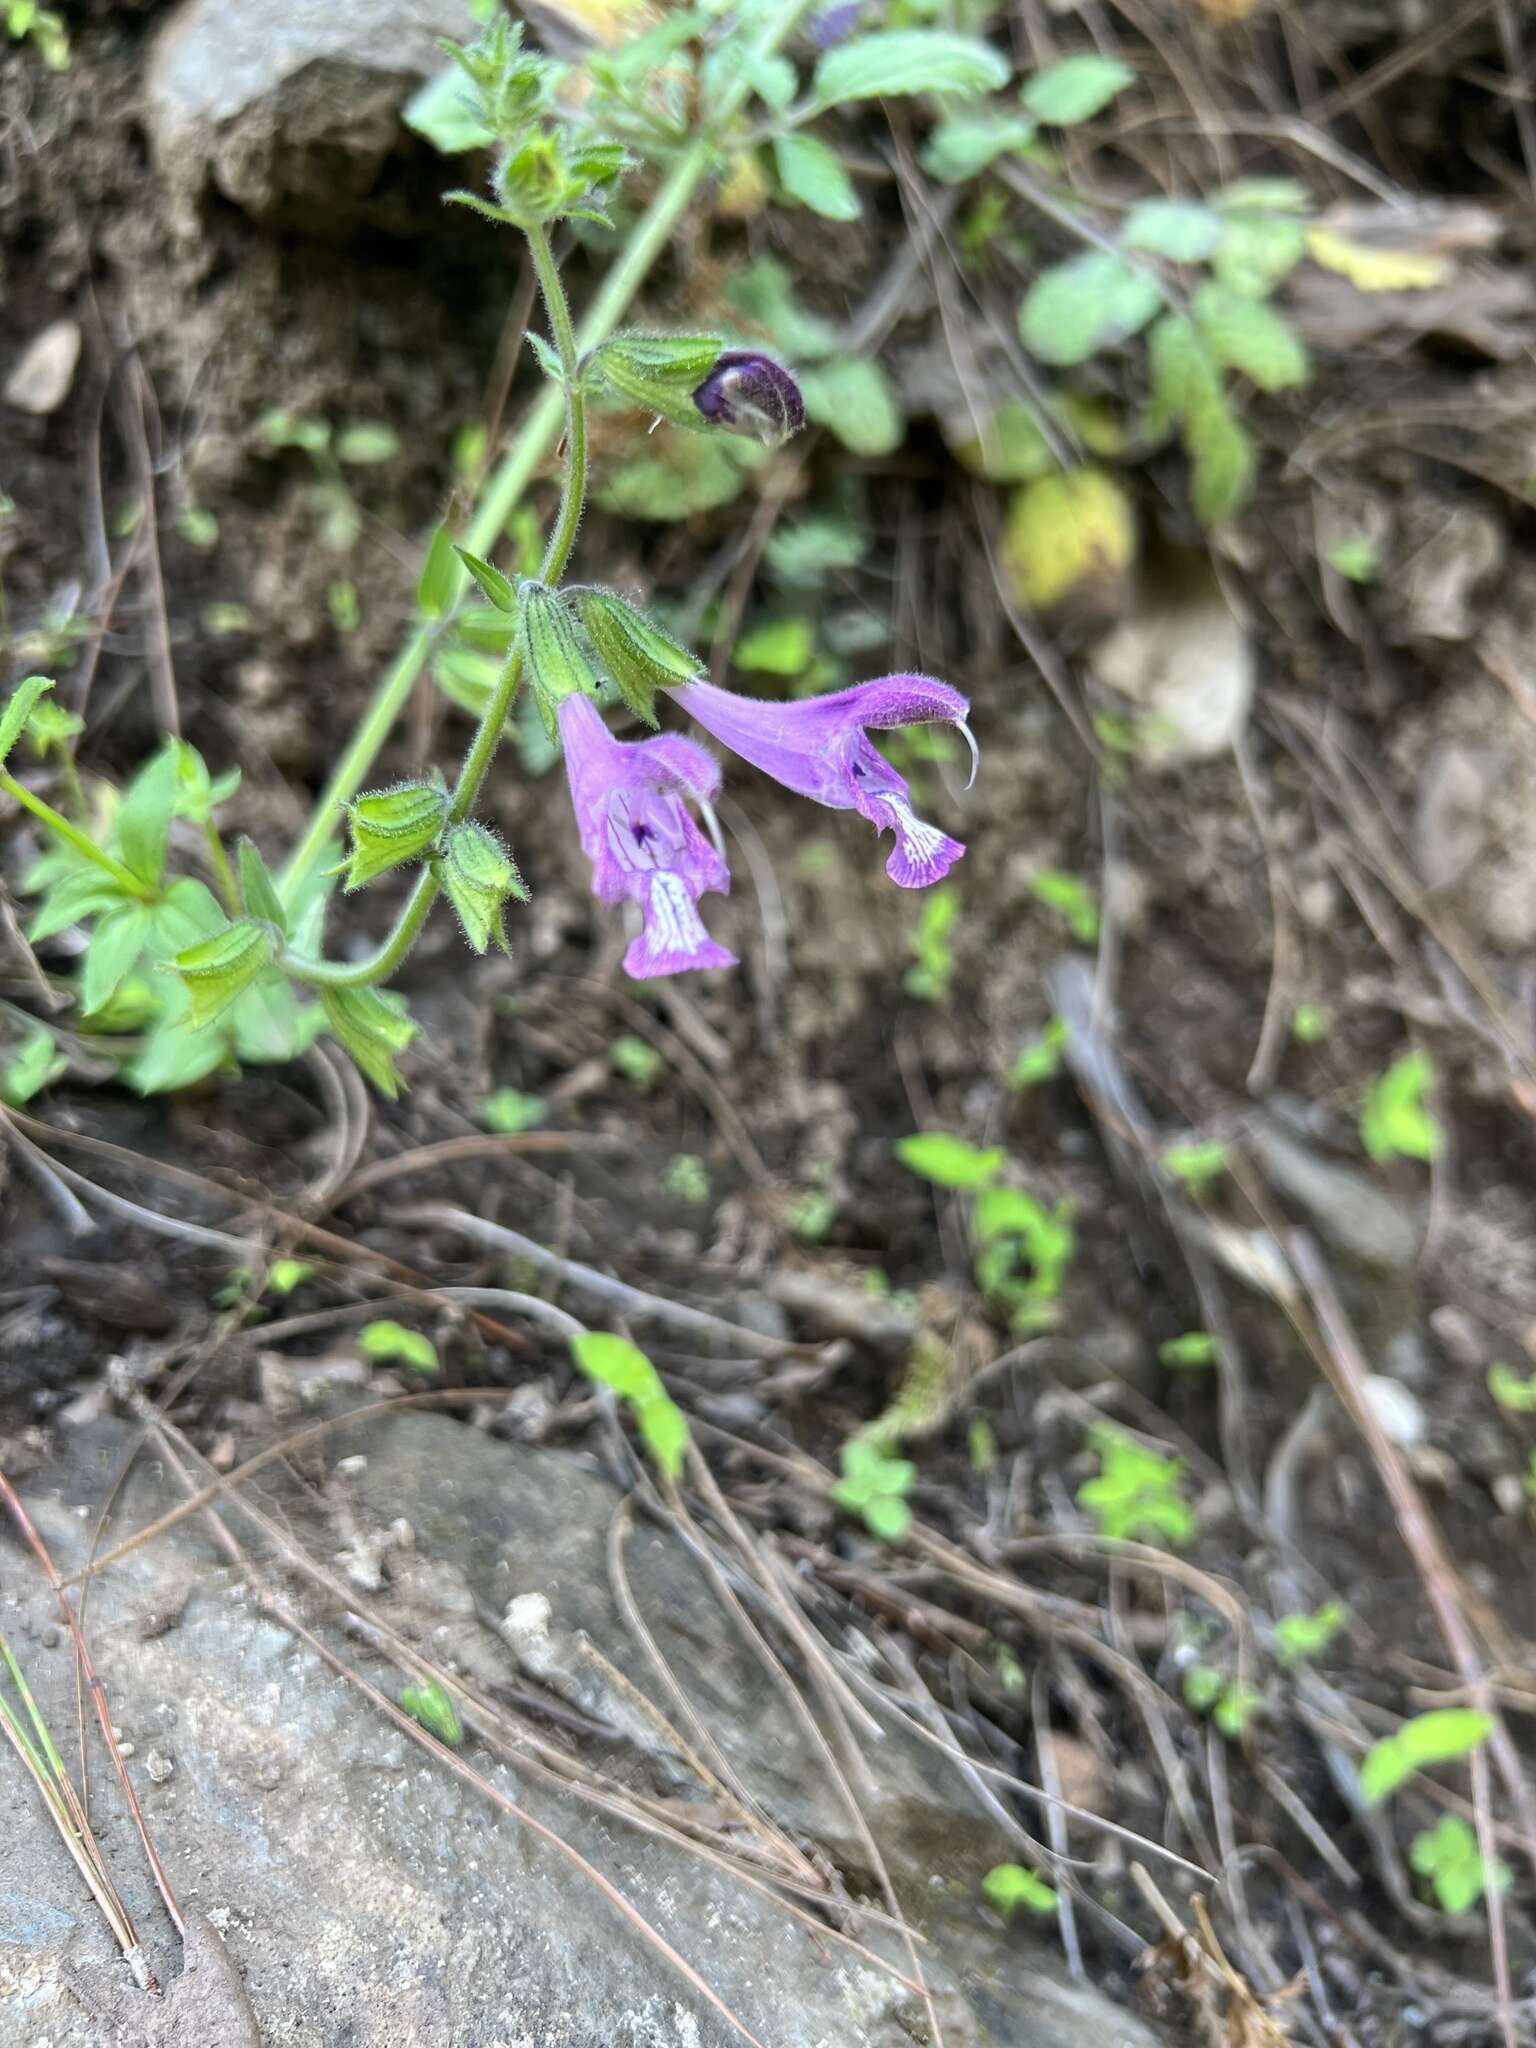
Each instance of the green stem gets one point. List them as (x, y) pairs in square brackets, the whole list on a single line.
[(223, 873), (61, 828), (382, 963), (537, 436)]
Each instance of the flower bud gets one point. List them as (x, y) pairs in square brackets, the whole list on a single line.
[(478, 875), (749, 393)]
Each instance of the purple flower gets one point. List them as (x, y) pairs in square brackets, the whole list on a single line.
[(834, 24), (643, 845), (818, 747), (749, 393)]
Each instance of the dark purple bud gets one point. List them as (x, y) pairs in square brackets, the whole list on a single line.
[(748, 393), (835, 24)]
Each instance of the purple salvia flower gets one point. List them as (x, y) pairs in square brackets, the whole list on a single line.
[(628, 796), (818, 746), (834, 24), (749, 393)]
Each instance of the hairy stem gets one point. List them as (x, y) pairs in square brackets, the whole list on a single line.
[(382, 963), (537, 435), (61, 828)]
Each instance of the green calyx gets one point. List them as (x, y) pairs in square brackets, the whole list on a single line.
[(390, 826), (640, 658), (553, 661), (372, 1026), (659, 371), (220, 969), (478, 875)]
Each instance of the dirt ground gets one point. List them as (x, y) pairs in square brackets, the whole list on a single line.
[(1365, 850)]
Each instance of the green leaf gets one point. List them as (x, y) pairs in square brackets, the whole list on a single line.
[(811, 173), (1196, 1348), (197, 527), (143, 823), (439, 584), (1136, 1494), (664, 1432), (886, 1517), (852, 396), (116, 943), (80, 894), (389, 1343), (615, 1362), (963, 146), (1449, 1856), (35, 1064), (446, 110), (1299, 1637), (1438, 1737), (187, 912), (373, 1026), (431, 1706), (778, 647), (914, 60), (221, 968), (1223, 461), (1356, 558), (1075, 89), (1072, 898), (257, 889), (764, 296), (269, 1025), (678, 475), (639, 1063), (363, 442), (1265, 195), (175, 1056), (283, 429), (285, 1276), (389, 826), (1041, 1059), (1197, 1164), (1089, 303), (1007, 1886), (1250, 336), (949, 1162), (1257, 252), (1395, 1122), (19, 708), (1065, 530), (496, 586), (509, 1110), (478, 875), (1516, 1395), (1181, 229)]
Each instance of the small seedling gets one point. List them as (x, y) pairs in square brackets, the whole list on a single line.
[(1197, 1165), (1023, 1253), (1309, 1023), (1007, 1887), (981, 1446), (932, 976), (616, 1363), (1355, 558), (641, 1065), (1189, 1353), (1301, 1637), (1231, 1707), (686, 1178), (1439, 1737), (388, 1343), (811, 1214), (508, 1111), (1040, 1060), (35, 1065), (1010, 1672), (1072, 899), (432, 1707), (284, 1276), (876, 1487), (1395, 1122), (1448, 1857), (1136, 1494), (1515, 1395), (949, 1162)]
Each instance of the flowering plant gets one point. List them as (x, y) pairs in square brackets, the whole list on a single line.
[(244, 959)]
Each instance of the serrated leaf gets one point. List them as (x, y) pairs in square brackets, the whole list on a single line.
[(19, 708), (1249, 336), (221, 968), (1089, 303), (1075, 89), (1063, 530), (1181, 229), (373, 1027), (257, 889), (490, 579), (116, 943), (1375, 270), (897, 61), (949, 1162), (811, 173), (853, 398)]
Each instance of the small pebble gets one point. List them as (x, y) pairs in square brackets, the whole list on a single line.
[(159, 1767), (352, 1468), (39, 383)]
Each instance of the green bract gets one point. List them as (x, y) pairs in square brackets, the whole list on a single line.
[(222, 968)]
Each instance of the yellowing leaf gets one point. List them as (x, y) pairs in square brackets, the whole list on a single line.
[(743, 190), (1064, 529), (1375, 270)]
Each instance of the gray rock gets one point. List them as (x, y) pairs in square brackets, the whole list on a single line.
[(42, 374), (370, 1897), (289, 104), (1348, 1208), (1183, 657)]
